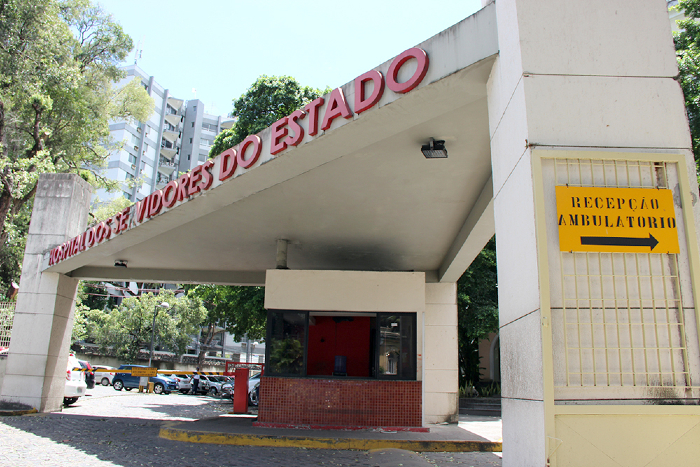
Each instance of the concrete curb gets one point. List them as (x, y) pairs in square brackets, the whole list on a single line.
[(14, 413), (236, 439)]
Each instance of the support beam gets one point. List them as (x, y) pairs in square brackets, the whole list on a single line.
[(170, 276), (474, 234)]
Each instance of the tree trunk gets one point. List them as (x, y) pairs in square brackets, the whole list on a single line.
[(206, 344)]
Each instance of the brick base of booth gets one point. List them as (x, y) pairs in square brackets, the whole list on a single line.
[(340, 403)]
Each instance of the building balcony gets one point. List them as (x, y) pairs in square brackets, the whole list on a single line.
[(167, 167), (228, 124), (171, 135), (168, 153), (175, 103), (174, 120)]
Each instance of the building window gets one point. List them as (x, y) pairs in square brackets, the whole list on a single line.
[(188, 156), (192, 124), (132, 159), (287, 332), (126, 195), (190, 140), (129, 176), (396, 350), (357, 345)]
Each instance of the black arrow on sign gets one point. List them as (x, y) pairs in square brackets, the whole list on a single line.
[(651, 242)]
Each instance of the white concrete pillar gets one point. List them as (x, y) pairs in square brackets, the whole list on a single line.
[(581, 78), (440, 362), (36, 365)]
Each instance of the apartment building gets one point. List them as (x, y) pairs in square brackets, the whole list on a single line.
[(176, 138)]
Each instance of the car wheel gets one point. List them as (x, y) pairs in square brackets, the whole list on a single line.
[(105, 382), (253, 397), (158, 388), (212, 392), (69, 401), (118, 385)]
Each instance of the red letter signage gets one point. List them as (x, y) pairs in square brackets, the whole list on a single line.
[(422, 68)]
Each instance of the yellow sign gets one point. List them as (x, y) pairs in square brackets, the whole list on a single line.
[(136, 371), (622, 220)]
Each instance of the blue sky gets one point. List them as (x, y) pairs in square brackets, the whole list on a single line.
[(221, 47)]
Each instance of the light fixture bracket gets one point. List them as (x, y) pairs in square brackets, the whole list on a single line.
[(435, 149)]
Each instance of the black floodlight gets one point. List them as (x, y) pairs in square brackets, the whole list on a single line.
[(434, 150)]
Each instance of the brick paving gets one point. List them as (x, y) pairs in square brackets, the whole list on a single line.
[(110, 428)]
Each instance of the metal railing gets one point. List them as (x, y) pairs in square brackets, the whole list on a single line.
[(7, 316), (622, 320)]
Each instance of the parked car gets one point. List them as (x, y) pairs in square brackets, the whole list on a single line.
[(184, 382), (104, 374), (89, 373), (209, 384), (75, 382), (227, 388), (254, 389), (161, 384)]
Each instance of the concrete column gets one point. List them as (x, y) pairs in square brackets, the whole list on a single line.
[(581, 76), (36, 365), (440, 362)]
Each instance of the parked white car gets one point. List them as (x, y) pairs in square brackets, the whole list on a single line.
[(104, 374), (75, 382), (184, 382)]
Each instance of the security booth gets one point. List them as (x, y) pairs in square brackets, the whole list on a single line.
[(336, 356)]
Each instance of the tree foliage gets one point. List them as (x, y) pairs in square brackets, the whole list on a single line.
[(127, 328), (58, 62), (238, 310), (477, 302), (687, 43), (268, 99), (12, 252)]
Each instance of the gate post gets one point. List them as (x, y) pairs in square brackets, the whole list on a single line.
[(36, 365), (593, 345)]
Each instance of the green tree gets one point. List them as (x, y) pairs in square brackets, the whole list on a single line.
[(269, 99), (238, 310), (12, 252), (58, 63), (127, 329), (100, 211), (687, 43), (477, 304)]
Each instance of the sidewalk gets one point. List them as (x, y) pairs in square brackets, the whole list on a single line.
[(473, 433)]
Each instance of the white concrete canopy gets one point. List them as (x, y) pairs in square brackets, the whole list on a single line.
[(359, 197)]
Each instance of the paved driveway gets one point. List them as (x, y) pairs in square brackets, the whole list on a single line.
[(111, 428)]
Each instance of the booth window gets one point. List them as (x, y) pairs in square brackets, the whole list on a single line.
[(354, 345), (287, 340), (397, 352)]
